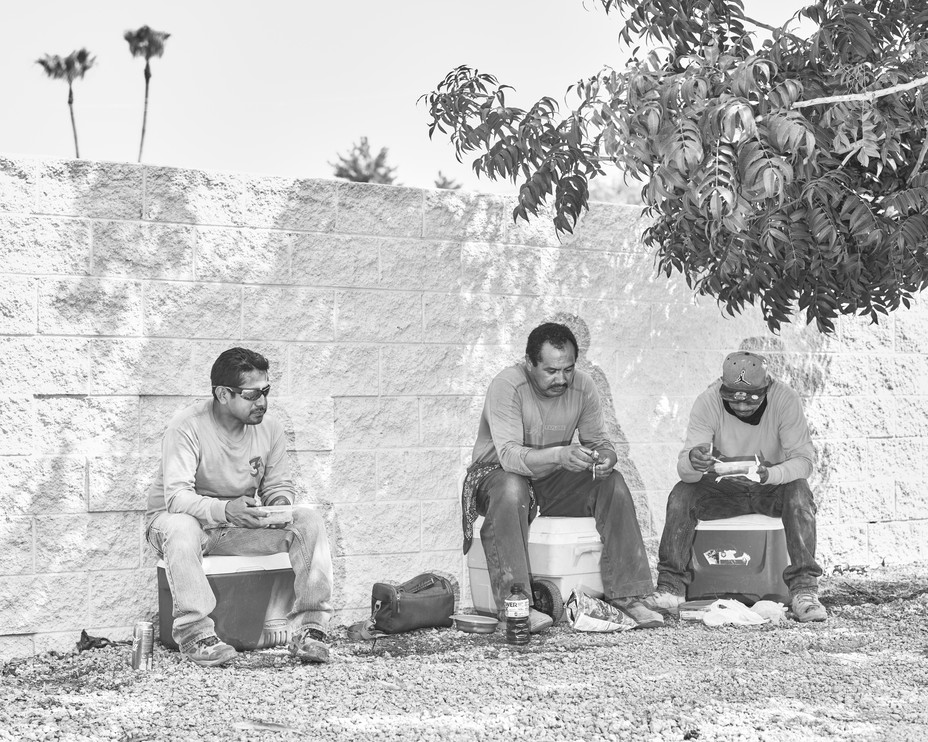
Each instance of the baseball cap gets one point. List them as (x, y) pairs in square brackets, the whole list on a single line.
[(744, 377)]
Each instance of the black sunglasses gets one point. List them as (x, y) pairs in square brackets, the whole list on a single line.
[(250, 395)]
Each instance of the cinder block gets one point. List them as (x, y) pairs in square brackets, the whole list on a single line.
[(441, 525), (276, 313), (18, 301), (51, 485), (95, 541), (842, 544), (141, 250), (44, 245), (911, 500), (376, 528), (103, 190), (17, 184), (12, 647), (858, 334), (483, 363), (154, 414), (378, 316), (87, 426), (457, 215), (335, 476), (420, 265), (897, 543), (17, 426), (205, 353), (336, 260), (906, 456), (147, 366), (37, 365), (17, 545), (90, 306), (355, 575), (613, 324), (335, 370), (608, 227), (376, 423), (36, 603), (204, 198), (439, 369), (538, 231), (122, 597), (365, 208), (244, 255), (120, 483), (310, 420), (907, 374), (450, 421), (845, 461), (908, 416), (873, 500), (839, 417), (419, 474), (193, 310)]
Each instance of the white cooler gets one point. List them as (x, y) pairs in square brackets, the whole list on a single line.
[(563, 551)]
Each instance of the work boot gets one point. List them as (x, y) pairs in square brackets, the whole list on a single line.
[(209, 652), (664, 602), (806, 607), (644, 617), (309, 645)]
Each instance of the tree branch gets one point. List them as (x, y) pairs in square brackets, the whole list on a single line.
[(869, 95)]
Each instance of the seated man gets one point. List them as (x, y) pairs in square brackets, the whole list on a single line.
[(219, 458), (524, 460), (744, 414)]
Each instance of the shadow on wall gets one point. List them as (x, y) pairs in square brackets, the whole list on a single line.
[(625, 465)]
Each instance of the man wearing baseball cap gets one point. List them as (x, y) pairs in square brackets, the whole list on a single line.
[(746, 415)]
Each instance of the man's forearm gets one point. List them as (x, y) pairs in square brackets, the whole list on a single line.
[(543, 461)]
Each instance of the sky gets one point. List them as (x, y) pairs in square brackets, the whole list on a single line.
[(283, 87)]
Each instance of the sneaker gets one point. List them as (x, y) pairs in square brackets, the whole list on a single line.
[(643, 616), (806, 607), (664, 602), (308, 645), (210, 652)]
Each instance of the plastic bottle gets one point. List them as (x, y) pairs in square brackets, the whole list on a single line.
[(517, 610)]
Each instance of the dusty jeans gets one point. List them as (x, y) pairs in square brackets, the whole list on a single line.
[(711, 500), (503, 500), (182, 542)]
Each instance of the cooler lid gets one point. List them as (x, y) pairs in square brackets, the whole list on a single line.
[(221, 565), (750, 522)]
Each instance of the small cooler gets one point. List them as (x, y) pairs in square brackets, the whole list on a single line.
[(562, 551), (741, 558), (253, 597)]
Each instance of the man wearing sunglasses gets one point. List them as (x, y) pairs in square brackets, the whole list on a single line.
[(747, 450), (220, 458)]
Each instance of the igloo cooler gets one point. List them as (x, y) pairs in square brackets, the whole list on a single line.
[(253, 597), (564, 552), (741, 558)]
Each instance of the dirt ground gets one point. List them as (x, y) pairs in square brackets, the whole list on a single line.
[(862, 675)]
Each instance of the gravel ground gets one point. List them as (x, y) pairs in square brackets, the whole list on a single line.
[(862, 675)]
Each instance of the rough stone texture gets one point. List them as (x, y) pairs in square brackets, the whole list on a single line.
[(143, 250), (384, 312)]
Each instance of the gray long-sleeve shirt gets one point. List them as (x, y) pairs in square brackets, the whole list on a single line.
[(517, 419), (202, 468)]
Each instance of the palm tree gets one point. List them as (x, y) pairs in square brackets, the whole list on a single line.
[(148, 43), (443, 182), (70, 68)]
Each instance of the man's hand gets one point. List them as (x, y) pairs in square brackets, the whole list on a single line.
[(239, 512), (576, 458), (604, 464), (701, 457)]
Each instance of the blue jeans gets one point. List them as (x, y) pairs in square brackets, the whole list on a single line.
[(503, 500), (181, 542), (707, 499)]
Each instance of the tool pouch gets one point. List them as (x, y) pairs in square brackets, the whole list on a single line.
[(425, 600)]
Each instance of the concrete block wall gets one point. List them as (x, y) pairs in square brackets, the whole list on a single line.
[(384, 311)]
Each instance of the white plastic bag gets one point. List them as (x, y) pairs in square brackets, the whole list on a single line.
[(723, 612)]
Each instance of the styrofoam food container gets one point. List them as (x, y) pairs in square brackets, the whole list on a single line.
[(276, 514)]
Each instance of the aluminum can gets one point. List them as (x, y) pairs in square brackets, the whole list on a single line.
[(143, 637)]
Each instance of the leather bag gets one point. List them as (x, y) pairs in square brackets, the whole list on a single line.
[(426, 600)]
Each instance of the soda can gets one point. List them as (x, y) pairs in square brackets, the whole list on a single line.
[(143, 637)]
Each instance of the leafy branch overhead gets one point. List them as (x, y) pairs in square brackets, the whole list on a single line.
[(790, 176)]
